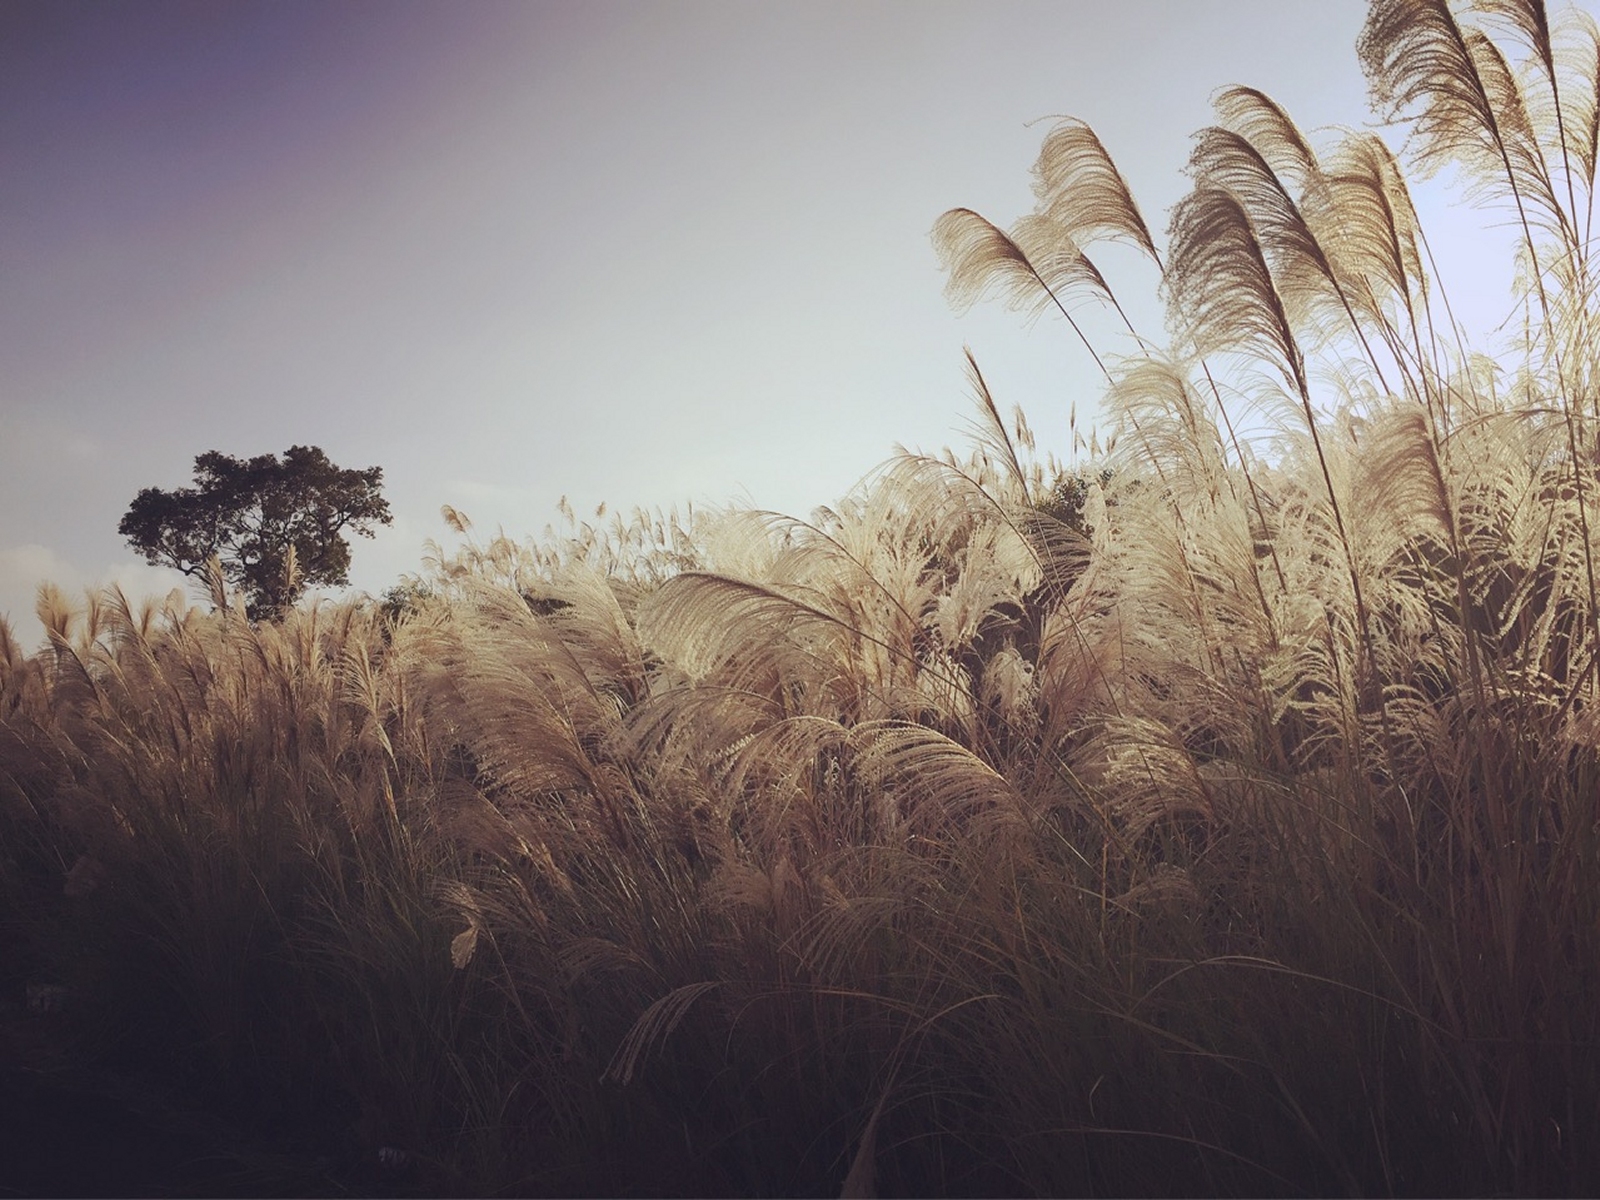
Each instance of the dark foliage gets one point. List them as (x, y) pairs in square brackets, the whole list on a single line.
[(1067, 498), (250, 513)]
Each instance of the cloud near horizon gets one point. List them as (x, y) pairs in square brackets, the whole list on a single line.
[(26, 568)]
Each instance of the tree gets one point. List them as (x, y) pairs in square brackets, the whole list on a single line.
[(1068, 498), (251, 513)]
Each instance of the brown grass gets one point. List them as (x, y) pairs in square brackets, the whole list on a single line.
[(1223, 823)]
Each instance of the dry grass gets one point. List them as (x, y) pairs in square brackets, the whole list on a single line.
[(1223, 825)]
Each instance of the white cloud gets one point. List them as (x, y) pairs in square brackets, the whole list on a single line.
[(23, 568), (139, 580)]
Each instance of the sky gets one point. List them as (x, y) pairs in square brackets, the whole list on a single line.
[(644, 254)]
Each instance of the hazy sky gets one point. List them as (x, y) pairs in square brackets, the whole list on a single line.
[(634, 253)]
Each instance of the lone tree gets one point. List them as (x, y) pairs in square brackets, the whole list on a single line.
[(251, 513)]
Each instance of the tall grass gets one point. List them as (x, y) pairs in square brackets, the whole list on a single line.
[(1216, 818)]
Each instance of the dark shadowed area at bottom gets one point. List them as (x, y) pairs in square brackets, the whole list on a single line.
[(69, 1131)]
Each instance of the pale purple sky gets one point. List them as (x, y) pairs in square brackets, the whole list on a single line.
[(508, 252)]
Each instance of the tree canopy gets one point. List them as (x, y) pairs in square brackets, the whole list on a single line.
[(252, 513)]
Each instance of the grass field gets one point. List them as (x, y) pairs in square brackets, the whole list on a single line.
[(1216, 814)]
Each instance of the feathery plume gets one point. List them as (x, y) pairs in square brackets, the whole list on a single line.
[(1081, 192)]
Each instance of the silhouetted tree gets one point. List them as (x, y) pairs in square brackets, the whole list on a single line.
[(251, 513)]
